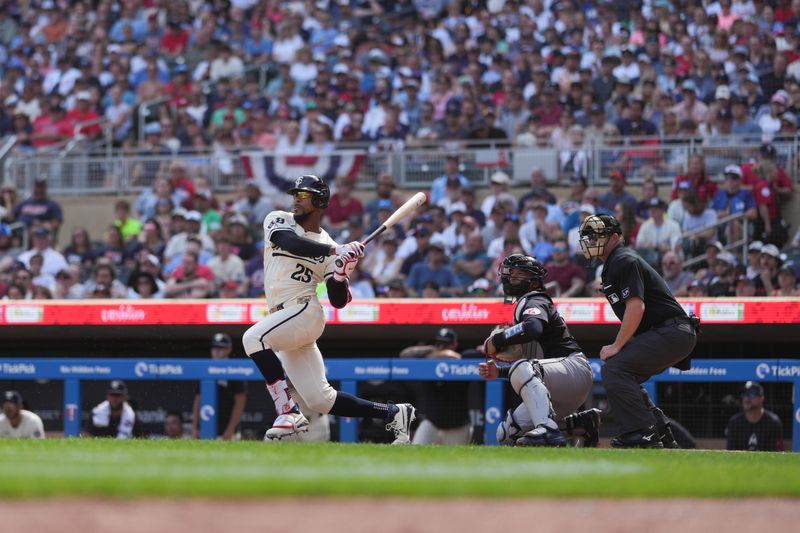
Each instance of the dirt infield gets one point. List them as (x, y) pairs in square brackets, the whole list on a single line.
[(397, 515)]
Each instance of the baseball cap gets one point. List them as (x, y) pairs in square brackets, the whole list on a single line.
[(421, 231), (456, 207), (587, 208), (722, 93), (153, 128), (726, 257), (752, 388), (501, 178), (194, 215), (446, 335), (153, 260), (617, 175), (657, 202), (715, 244), (83, 95), (733, 170), (770, 249), (479, 286), (688, 85), (789, 117), (12, 396), (755, 246), (179, 212), (117, 387), (779, 98), (684, 186), (436, 246), (221, 340), (789, 266)]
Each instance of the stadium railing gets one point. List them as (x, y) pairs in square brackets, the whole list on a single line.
[(348, 372), (79, 172)]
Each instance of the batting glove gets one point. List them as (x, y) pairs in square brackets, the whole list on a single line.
[(353, 249), (343, 266)]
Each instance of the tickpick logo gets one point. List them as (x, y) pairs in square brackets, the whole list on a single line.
[(442, 369), (762, 370), (140, 369), (492, 415), (206, 412)]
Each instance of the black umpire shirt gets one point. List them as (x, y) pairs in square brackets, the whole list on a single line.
[(556, 340), (766, 435), (626, 275)]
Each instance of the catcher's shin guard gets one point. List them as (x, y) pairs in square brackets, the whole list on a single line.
[(526, 380), (662, 426), (585, 424)]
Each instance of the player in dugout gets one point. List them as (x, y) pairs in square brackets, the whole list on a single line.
[(299, 254)]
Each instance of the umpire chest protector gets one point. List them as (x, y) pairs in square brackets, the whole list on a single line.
[(626, 275)]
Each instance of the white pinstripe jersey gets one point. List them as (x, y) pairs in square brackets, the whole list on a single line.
[(287, 276)]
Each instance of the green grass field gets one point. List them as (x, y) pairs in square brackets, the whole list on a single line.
[(75, 467)]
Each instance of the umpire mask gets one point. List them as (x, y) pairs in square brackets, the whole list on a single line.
[(595, 231), (521, 274)]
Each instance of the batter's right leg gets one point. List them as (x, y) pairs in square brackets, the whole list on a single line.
[(306, 369)]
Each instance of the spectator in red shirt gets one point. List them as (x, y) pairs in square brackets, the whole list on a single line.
[(83, 112), (755, 171), (549, 111), (51, 128), (704, 188), (770, 191), (342, 206), (180, 88), (190, 279), (175, 40), (563, 270)]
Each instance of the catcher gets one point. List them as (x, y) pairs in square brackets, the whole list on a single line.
[(550, 373)]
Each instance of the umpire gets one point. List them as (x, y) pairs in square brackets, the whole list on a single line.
[(655, 333)]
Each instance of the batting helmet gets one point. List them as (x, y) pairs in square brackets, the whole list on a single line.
[(314, 185), (594, 233), (527, 264)]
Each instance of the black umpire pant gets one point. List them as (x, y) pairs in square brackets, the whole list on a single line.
[(645, 355)]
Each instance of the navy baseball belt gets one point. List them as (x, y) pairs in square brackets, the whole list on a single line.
[(284, 305)]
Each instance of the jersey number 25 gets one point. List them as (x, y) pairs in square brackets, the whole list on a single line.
[(303, 274)]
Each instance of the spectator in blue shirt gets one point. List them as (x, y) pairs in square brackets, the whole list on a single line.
[(40, 208), (617, 193), (471, 262), (451, 172), (433, 269), (733, 200)]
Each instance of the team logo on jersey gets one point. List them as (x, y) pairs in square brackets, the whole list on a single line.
[(613, 298), (625, 292), (532, 311)]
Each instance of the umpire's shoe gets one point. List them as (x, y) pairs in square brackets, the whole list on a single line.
[(286, 425), (399, 423), (642, 438), (543, 436)]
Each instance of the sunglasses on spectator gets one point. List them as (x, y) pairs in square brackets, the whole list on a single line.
[(559, 248), (303, 195)]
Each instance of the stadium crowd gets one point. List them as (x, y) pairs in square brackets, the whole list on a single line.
[(395, 74)]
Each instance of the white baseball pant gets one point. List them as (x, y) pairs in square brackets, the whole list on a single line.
[(292, 334)]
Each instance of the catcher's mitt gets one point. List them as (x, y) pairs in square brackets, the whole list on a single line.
[(509, 354)]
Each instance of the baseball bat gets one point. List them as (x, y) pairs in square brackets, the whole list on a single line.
[(404, 211)]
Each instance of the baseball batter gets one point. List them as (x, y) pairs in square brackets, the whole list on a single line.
[(552, 388), (299, 254)]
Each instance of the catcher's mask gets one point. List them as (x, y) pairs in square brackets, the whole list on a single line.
[(595, 232), (520, 274)]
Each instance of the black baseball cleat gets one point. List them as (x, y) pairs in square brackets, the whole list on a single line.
[(543, 436), (585, 424), (642, 438)]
